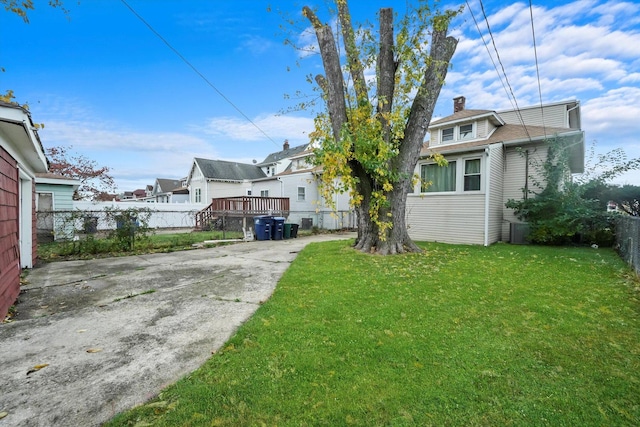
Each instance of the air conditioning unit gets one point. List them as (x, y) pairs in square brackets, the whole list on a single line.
[(519, 232)]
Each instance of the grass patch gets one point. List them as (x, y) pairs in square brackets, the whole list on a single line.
[(92, 247), (455, 336)]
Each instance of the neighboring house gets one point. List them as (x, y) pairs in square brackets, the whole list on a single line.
[(491, 157), (290, 174), (170, 191), (54, 193), (210, 179), (21, 158)]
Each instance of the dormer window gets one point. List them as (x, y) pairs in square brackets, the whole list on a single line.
[(447, 134), (457, 133), (466, 132)]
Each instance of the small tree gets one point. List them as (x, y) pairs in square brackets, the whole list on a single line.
[(94, 180), (369, 139), (561, 209)]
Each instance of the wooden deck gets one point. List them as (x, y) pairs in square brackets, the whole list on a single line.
[(242, 207)]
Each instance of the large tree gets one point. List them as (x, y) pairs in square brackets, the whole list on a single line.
[(369, 139), (95, 181)]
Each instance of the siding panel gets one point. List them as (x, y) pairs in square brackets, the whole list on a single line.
[(446, 218), (9, 244)]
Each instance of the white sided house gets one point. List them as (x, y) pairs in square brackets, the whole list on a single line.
[(291, 174), (209, 179), (490, 156), (170, 191)]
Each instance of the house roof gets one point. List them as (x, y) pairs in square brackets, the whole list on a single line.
[(55, 179), (22, 136), (284, 154), (464, 115), (505, 134), (228, 171), (165, 185)]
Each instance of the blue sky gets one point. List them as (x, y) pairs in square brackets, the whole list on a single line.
[(101, 81)]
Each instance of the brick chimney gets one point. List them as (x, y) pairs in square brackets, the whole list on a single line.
[(285, 146), (458, 104)]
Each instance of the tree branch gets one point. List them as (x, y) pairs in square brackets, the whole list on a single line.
[(387, 67), (353, 58), (333, 82)]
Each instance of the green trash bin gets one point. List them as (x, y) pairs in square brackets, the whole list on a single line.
[(287, 231)]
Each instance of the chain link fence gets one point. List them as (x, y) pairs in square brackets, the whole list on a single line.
[(74, 224), (628, 240)]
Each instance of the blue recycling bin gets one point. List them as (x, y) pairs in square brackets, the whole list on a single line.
[(262, 226), (277, 231)]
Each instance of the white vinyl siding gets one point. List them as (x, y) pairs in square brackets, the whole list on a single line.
[(496, 207), (515, 176), (446, 218), (554, 116)]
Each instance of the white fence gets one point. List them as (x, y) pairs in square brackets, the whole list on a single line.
[(163, 215), (91, 217)]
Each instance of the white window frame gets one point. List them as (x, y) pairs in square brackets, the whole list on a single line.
[(264, 193), (453, 134), (471, 134), (460, 162), (426, 191), (304, 194), (198, 195), (464, 173)]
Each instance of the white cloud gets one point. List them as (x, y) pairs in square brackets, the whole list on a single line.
[(277, 127)]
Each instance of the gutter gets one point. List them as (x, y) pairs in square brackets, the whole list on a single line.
[(487, 191)]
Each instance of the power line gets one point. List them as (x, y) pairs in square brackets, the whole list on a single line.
[(493, 41), (535, 52), (196, 71), (489, 52)]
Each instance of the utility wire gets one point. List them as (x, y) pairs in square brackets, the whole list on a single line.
[(535, 51), (490, 55), (493, 41), (196, 71)]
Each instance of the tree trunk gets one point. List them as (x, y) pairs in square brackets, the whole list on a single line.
[(370, 239)]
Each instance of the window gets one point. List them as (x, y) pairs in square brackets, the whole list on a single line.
[(301, 194), (198, 195), (466, 131), (264, 193), (248, 192), (447, 134), (472, 175), (442, 178)]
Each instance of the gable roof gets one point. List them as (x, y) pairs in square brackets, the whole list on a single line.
[(165, 185), (464, 115), (284, 154), (228, 171)]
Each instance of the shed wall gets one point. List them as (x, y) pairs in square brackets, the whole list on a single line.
[(9, 243)]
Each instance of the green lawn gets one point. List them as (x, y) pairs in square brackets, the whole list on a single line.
[(455, 336)]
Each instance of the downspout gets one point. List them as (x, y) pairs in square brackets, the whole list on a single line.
[(487, 191), (526, 174)]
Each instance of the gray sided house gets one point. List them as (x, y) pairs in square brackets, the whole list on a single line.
[(21, 158), (209, 179), (54, 200), (170, 191), (491, 158)]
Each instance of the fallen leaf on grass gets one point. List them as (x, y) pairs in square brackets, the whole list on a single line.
[(94, 350), (37, 368), (3, 414)]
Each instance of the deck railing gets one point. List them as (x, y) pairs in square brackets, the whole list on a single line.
[(243, 206)]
